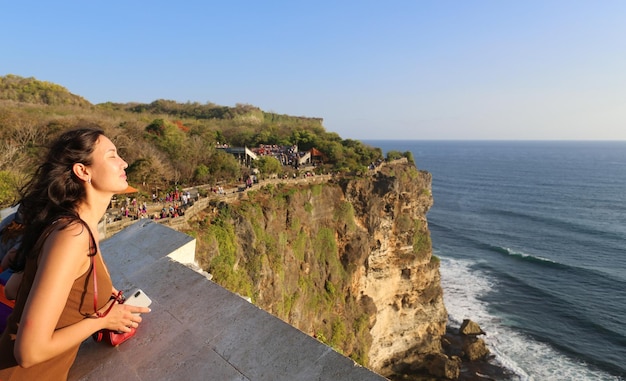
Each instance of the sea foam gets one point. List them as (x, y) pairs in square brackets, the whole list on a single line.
[(528, 359)]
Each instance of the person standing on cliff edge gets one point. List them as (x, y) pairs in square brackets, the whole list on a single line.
[(54, 310)]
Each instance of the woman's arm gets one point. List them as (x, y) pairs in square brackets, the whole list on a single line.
[(63, 259), (13, 284)]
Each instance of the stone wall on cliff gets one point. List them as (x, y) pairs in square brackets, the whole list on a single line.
[(348, 261)]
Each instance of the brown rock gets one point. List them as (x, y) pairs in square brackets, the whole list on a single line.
[(441, 365), (470, 328), (475, 349)]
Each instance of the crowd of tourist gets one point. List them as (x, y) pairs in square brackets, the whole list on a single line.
[(287, 155), (173, 204)]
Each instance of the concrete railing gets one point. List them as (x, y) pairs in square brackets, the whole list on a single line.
[(198, 330)]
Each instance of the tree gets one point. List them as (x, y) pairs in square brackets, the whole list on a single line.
[(224, 166), (157, 127), (304, 139), (268, 165), (394, 155), (151, 167), (201, 174)]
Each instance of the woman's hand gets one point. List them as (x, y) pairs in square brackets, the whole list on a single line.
[(123, 317)]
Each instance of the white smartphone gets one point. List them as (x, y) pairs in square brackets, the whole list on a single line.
[(138, 298)]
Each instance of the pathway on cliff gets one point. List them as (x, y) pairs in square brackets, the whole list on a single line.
[(112, 224)]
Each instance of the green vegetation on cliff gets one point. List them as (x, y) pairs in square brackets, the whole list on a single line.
[(286, 262), (30, 90)]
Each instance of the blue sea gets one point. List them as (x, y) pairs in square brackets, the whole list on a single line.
[(532, 238)]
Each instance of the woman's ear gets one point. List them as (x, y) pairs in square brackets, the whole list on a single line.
[(82, 172)]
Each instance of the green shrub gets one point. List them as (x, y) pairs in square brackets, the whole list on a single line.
[(404, 222), (344, 214), (8, 188), (316, 190), (308, 207), (394, 155), (421, 239), (330, 289), (338, 334), (299, 245)]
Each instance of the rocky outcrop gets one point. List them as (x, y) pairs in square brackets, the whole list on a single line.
[(470, 328), (472, 347), (474, 358), (348, 261), (400, 275)]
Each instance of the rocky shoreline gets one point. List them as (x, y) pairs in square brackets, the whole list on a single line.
[(464, 357), (479, 369)]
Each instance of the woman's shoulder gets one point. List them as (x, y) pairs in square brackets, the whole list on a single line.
[(72, 234), (68, 247)]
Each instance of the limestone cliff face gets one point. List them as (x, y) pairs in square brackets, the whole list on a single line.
[(347, 260), (400, 274)]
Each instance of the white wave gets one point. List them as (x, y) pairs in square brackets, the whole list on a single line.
[(529, 359), (525, 255)]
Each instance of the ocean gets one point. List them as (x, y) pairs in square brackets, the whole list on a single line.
[(532, 238)]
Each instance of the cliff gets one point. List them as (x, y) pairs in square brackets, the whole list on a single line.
[(348, 261)]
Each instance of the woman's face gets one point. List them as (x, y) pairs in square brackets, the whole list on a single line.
[(108, 168)]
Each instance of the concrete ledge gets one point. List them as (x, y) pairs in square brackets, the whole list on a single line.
[(198, 330)]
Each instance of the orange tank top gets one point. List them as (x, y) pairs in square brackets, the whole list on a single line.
[(79, 305)]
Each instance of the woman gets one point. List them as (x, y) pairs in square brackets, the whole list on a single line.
[(54, 310)]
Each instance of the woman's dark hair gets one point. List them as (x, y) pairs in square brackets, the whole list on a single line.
[(54, 190)]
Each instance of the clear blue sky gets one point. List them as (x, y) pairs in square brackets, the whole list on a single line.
[(537, 69)]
